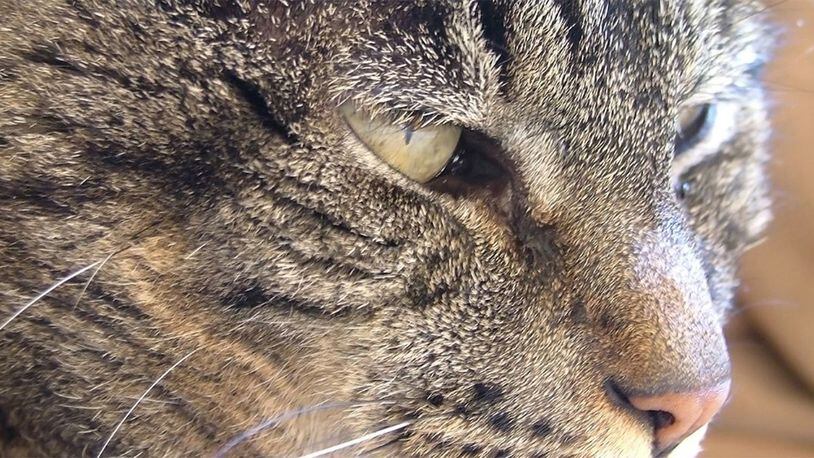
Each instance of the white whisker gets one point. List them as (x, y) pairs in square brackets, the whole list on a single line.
[(287, 416), (195, 251), (92, 276), (359, 440), (48, 291), (138, 401)]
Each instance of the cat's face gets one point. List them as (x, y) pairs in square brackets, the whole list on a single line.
[(580, 245)]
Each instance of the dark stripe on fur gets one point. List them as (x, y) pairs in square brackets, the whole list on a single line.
[(495, 33), (572, 16), (251, 94)]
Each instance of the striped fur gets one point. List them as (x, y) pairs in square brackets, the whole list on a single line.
[(195, 147)]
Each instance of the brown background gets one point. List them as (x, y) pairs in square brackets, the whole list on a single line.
[(771, 413)]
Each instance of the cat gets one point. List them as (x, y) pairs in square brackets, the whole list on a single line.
[(430, 228)]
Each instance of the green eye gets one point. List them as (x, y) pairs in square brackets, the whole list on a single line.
[(420, 154)]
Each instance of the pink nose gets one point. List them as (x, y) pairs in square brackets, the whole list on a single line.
[(677, 415)]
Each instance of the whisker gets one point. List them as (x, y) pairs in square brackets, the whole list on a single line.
[(288, 416), (48, 291), (90, 280), (195, 251), (141, 398), (365, 452), (359, 440), (75, 274)]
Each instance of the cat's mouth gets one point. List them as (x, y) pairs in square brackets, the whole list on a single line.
[(689, 447)]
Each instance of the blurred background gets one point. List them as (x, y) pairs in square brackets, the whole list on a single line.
[(771, 413)]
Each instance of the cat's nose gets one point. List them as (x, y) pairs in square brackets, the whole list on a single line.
[(677, 415)]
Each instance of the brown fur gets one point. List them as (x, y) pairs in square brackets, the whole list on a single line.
[(197, 144)]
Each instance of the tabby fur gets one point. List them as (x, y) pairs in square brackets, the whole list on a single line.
[(193, 150)]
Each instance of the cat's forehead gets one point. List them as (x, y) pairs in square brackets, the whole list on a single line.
[(452, 58)]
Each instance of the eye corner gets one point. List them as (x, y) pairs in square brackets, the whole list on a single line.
[(476, 168)]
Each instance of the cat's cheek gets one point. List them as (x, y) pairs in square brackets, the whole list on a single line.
[(627, 440)]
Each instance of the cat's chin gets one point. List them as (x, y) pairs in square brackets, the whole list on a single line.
[(638, 446), (691, 446)]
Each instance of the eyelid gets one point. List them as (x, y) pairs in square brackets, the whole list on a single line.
[(723, 128), (417, 117)]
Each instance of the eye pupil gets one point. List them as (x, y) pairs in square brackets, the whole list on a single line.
[(408, 135)]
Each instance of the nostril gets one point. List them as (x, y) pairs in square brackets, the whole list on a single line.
[(677, 415), (661, 419)]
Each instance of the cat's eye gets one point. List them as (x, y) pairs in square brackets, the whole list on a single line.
[(702, 131), (419, 153), (445, 158), (693, 123)]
